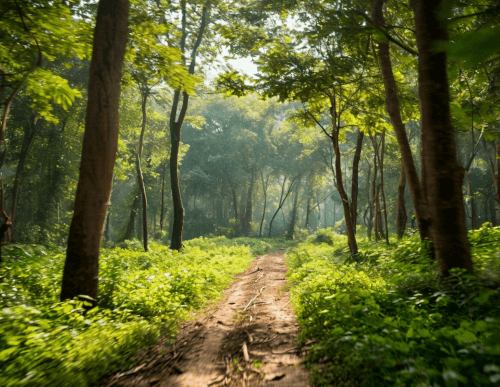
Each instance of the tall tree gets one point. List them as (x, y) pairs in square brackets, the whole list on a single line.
[(81, 269), (177, 116), (443, 176), (394, 110)]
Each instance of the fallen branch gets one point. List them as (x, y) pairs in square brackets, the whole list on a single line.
[(253, 299), (245, 352)]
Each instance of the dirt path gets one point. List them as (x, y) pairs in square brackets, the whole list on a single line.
[(230, 346)]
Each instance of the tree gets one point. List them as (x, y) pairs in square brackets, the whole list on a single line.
[(81, 269), (393, 108), (177, 116), (443, 176)]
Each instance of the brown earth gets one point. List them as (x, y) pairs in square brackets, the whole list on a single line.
[(232, 346)]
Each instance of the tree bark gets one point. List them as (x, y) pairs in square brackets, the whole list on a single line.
[(369, 225), (393, 108), (162, 201), (439, 154), (264, 189), (382, 189), (355, 174), (473, 209), (29, 132), (178, 221), (401, 216), (351, 235), (175, 128), (293, 216), (100, 141), (247, 218), (140, 177), (308, 211)]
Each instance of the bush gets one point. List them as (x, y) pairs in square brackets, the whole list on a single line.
[(386, 320), (44, 342)]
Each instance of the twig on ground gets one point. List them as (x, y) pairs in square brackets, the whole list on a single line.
[(253, 299), (245, 352)]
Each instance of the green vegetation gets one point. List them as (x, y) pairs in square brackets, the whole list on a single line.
[(384, 319), (44, 342), (259, 246)]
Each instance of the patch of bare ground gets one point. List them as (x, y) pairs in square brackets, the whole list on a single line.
[(249, 339)]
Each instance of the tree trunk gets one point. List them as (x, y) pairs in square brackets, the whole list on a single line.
[(369, 226), (264, 189), (355, 187), (308, 211), (235, 202), (100, 141), (247, 218), (162, 197), (392, 106), (439, 154), (107, 229), (29, 132), (178, 221), (129, 230), (176, 125), (283, 198), (401, 216), (140, 178), (293, 216), (373, 204), (473, 209), (351, 236), (382, 189)]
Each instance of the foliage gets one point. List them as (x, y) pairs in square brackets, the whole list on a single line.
[(386, 320), (44, 342), (257, 246)]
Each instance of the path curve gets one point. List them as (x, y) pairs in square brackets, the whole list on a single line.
[(231, 346)]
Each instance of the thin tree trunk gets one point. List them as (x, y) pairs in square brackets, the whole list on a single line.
[(473, 210), (140, 177), (107, 229), (393, 108), (29, 132), (374, 201), (178, 221), (308, 211), (100, 141), (439, 154), (293, 216), (264, 189), (401, 216), (351, 236), (382, 190), (369, 201), (129, 230), (245, 226), (355, 174), (176, 125), (162, 197), (283, 198)]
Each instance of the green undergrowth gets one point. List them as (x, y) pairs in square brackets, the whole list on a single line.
[(385, 319), (258, 246), (44, 342)]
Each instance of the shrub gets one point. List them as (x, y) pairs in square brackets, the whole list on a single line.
[(387, 320), (44, 342)]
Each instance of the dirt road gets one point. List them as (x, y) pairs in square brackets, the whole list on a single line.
[(248, 340)]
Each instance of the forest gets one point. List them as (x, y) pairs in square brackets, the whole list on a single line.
[(250, 192)]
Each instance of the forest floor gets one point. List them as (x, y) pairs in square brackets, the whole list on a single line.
[(247, 339)]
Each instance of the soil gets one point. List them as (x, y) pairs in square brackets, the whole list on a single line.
[(249, 339)]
